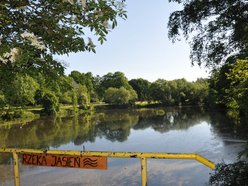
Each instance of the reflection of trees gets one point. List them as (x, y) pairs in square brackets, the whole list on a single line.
[(116, 126), (86, 133), (49, 132), (225, 127), (172, 119)]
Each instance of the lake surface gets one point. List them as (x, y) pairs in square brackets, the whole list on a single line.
[(171, 130)]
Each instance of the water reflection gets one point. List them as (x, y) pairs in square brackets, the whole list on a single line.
[(112, 125), (172, 130)]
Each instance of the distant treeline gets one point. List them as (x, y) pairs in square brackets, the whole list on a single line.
[(83, 89)]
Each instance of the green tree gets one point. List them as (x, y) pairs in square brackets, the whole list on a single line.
[(21, 91), (77, 77), (180, 91), (31, 32), (50, 102), (87, 80), (141, 86), (83, 97), (161, 91), (120, 96), (116, 80), (201, 91), (238, 91), (216, 29), (218, 84)]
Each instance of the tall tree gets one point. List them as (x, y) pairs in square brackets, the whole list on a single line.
[(238, 91), (141, 86), (116, 80), (31, 32), (216, 29), (21, 91)]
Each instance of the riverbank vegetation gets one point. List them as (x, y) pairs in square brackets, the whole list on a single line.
[(82, 90)]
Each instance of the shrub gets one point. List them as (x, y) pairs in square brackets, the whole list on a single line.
[(230, 174)]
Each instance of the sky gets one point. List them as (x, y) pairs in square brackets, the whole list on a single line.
[(139, 47)]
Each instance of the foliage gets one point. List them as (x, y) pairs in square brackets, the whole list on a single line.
[(216, 29), (83, 98), (238, 91), (87, 80), (50, 102), (230, 174), (120, 96), (116, 80), (21, 91), (229, 86), (161, 91), (141, 86), (28, 42), (2, 101), (31, 32), (179, 92)]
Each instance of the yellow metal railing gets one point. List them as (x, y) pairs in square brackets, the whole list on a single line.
[(142, 155)]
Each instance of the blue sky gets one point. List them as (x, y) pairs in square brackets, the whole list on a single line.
[(139, 47)]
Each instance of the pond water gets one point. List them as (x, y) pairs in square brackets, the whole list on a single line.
[(171, 130)]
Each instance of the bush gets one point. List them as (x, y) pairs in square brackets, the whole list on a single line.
[(230, 174)]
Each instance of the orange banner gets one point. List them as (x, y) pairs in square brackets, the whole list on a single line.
[(65, 161)]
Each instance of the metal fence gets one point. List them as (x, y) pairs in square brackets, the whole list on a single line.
[(142, 155)]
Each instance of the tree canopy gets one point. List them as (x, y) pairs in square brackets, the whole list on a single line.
[(31, 32), (216, 29)]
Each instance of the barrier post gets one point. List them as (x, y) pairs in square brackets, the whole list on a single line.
[(143, 171), (16, 169)]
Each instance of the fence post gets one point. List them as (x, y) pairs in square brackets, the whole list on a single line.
[(143, 171), (16, 169)]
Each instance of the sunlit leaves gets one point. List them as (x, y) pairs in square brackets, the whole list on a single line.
[(216, 29), (55, 26)]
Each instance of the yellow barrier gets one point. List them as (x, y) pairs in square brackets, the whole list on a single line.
[(142, 155)]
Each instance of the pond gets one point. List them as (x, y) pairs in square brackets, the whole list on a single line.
[(171, 130)]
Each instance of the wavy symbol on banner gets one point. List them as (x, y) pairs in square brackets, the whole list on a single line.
[(90, 162)]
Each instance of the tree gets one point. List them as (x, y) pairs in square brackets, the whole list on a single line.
[(87, 80), (77, 77), (216, 29), (120, 96), (116, 80), (161, 91), (141, 86), (83, 97), (31, 32), (21, 91), (238, 91), (50, 103), (201, 91)]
